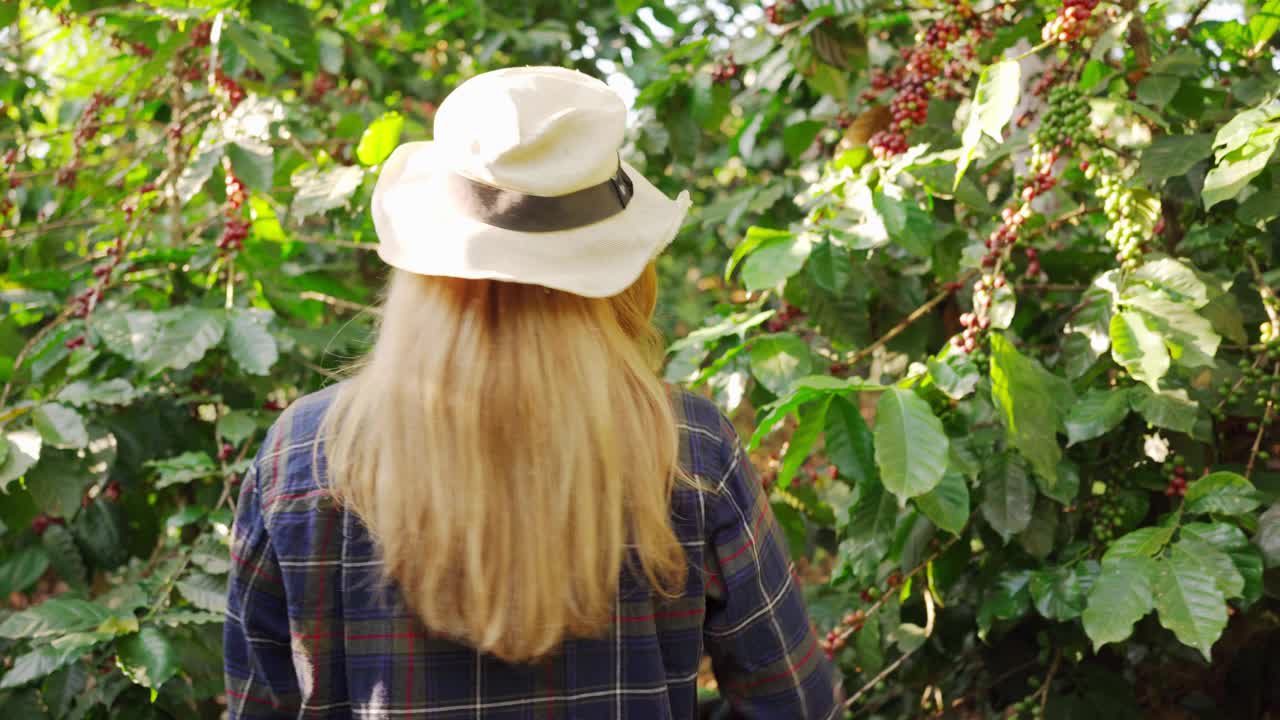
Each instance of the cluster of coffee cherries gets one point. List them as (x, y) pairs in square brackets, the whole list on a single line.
[(1175, 469), (1066, 122), (937, 66), (783, 319), (87, 128), (229, 87), (236, 228), (725, 71), (110, 492), (838, 636), (321, 86), (40, 523), (1108, 505), (1070, 23), (1049, 78), (84, 302), (8, 161), (137, 48), (1258, 381), (1028, 708), (1126, 232), (999, 243), (780, 13), (191, 65)]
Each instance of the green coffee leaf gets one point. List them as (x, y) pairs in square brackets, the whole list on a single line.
[(1174, 278), (1268, 537), (37, 664), (60, 426), (1173, 155), (1038, 538), (830, 266), (994, 101), (911, 447), (1008, 496), (185, 335), (1121, 596), (56, 616), (65, 557), (319, 191), (947, 505), (380, 138), (1169, 409), (147, 658), (1059, 593), (1221, 492), (183, 468), (1096, 413), (130, 335), (1189, 602), (812, 419), (907, 225), (1214, 563), (849, 442), (871, 523), (237, 426), (252, 346), (1236, 167), (21, 569), (205, 592), (779, 360), (1137, 347), (22, 451), (1031, 402), (253, 164), (1144, 542), (116, 391), (756, 238), (773, 262), (1009, 599)]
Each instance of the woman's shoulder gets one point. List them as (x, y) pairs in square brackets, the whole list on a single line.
[(292, 452), (707, 438)]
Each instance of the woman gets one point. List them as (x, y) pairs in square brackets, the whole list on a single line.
[(504, 513)]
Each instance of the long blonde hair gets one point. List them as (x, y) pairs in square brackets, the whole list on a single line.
[(506, 445)]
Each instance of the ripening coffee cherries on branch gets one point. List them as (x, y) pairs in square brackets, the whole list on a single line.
[(937, 66)]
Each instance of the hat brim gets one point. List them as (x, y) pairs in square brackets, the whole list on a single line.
[(420, 231)]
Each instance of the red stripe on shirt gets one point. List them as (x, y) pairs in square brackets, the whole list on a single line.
[(256, 570), (788, 673), (297, 496), (755, 527), (251, 698)]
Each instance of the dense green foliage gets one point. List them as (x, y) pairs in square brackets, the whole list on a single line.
[(995, 280)]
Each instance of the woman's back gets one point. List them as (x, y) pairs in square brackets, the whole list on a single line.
[(504, 512), (311, 635)]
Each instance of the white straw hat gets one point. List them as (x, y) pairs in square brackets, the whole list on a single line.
[(523, 183)]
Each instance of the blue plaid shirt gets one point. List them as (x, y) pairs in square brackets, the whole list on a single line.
[(308, 636)]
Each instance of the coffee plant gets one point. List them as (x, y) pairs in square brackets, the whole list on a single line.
[(989, 285)]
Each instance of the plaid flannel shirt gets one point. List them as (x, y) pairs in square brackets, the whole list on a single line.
[(308, 636)]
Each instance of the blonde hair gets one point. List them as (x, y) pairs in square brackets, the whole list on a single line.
[(506, 445)]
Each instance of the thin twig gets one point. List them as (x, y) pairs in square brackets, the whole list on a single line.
[(1048, 680), (906, 322), (339, 302), (55, 225), (881, 676), (1262, 427), (844, 635), (1195, 14)]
